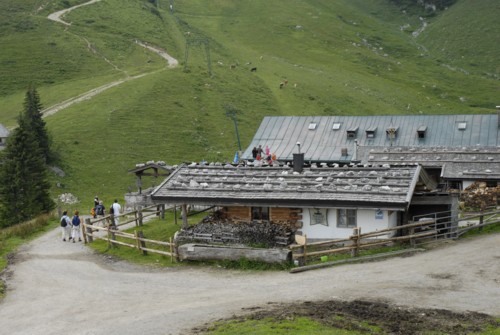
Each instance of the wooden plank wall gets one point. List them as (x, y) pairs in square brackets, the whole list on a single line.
[(238, 213), (285, 216)]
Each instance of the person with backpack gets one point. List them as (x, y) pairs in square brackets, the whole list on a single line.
[(99, 209), (65, 226), (75, 230)]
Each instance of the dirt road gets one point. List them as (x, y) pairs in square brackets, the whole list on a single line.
[(57, 287)]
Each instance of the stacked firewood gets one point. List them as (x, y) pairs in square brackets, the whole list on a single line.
[(257, 234), (479, 196)]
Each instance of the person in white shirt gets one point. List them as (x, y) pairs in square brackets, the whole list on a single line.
[(116, 211), (65, 226)]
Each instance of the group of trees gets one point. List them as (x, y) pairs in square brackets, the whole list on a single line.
[(24, 184)]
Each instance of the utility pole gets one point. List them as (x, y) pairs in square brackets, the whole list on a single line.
[(231, 112), (198, 41)]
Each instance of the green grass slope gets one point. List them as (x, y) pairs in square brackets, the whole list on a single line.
[(343, 57)]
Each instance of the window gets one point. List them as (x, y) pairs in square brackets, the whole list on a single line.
[(312, 125), (462, 125), (336, 126), (346, 218), (260, 213)]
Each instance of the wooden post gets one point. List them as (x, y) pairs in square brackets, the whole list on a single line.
[(184, 216), (481, 218), (142, 243), (171, 249), (355, 236), (302, 240), (140, 215), (88, 228), (412, 240), (175, 214), (162, 215), (136, 218)]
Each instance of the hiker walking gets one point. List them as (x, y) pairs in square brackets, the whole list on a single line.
[(75, 230), (115, 210), (65, 226)]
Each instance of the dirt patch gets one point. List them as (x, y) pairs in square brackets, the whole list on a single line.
[(359, 315)]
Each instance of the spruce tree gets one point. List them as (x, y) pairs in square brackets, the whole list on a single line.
[(33, 111), (24, 185)]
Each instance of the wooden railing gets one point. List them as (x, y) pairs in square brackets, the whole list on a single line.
[(110, 232), (357, 241)]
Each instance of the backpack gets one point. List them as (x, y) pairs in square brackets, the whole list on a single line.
[(100, 210), (111, 210), (64, 223), (75, 221)]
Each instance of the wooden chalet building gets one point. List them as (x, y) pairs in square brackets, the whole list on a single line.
[(322, 202)]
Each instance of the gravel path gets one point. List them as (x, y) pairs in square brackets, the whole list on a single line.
[(57, 287)]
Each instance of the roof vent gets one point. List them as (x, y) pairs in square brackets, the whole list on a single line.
[(462, 125), (421, 131), (336, 126), (312, 126), (370, 132), (392, 132), (351, 132)]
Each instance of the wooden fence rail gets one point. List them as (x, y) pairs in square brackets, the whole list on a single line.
[(300, 250), (135, 240)]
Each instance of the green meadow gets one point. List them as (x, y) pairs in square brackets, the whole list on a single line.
[(345, 57)]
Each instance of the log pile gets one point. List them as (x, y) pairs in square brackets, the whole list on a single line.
[(479, 196), (262, 234)]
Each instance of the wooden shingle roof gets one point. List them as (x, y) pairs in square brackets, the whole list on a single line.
[(480, 163), (356, 187)]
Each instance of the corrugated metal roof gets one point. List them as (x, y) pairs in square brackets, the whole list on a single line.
[(325, 142), (374, 186)]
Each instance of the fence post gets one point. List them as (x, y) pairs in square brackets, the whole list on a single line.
[(162, 215), (171, 247), (139, 213), (355, 236), (412, 240), (142, 243), (481, 219), (88, 228)]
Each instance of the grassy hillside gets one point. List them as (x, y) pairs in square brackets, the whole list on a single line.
[(341, 57)]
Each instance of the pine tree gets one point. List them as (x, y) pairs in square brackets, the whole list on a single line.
[(24, 185), (33, 110)]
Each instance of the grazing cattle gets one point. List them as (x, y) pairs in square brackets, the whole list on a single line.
[(254, 69)]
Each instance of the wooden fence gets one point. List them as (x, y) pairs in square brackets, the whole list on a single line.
[(357, 241), (110, 232)]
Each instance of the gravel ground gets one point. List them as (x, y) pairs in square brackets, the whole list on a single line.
[(56, 287)]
